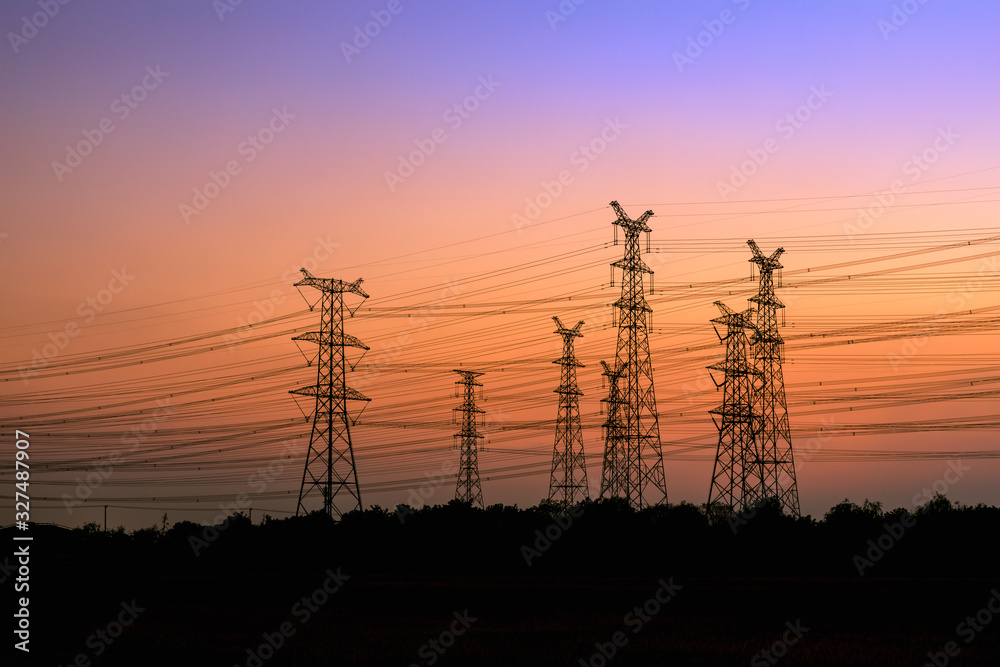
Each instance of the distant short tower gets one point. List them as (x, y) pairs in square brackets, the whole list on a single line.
[(568, 480), (468, 488), (736, 476)]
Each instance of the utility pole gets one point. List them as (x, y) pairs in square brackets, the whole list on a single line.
[(569, 467), (736, 476), (330, 471), (774, 433), (468, 488), (642, 481)]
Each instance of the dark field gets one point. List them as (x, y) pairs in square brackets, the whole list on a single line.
[(452, 585), (379, 620)]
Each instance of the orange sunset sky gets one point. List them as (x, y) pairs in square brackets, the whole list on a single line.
[(168, 167)]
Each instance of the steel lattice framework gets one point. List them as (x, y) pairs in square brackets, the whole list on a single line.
[(736, 477), (613, 472), (468, 488), (774, 435), (641, 480), (569, 468), (329, 469)]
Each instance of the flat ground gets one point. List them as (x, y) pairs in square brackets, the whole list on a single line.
[(385, 620)]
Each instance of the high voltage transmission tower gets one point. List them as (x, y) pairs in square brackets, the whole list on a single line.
[(468, 489), (641, 480), (569, 468), (613, 471), (773, 435), (330, 470), (736, 477)]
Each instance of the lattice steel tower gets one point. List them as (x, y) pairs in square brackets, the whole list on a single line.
[(736, 477), (774, 435), (468, 488), (642, 481), (569, 468), (614, 470), (330, 470)]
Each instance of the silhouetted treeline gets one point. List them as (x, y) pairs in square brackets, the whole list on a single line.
[(593, 538)]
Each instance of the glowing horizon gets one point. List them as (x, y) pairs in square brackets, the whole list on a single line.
[(171, 167)]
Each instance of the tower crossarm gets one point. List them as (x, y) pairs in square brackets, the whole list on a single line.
[(336, 339), (564, 331), (736, 413), (732, 319), (726, 310), (767, 300), (467, 407), (638, 303), (331, 284), (469, 377), (612, 373), (632, 264), (734, 368), (631, 227), (324, 392), (765, 263)]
